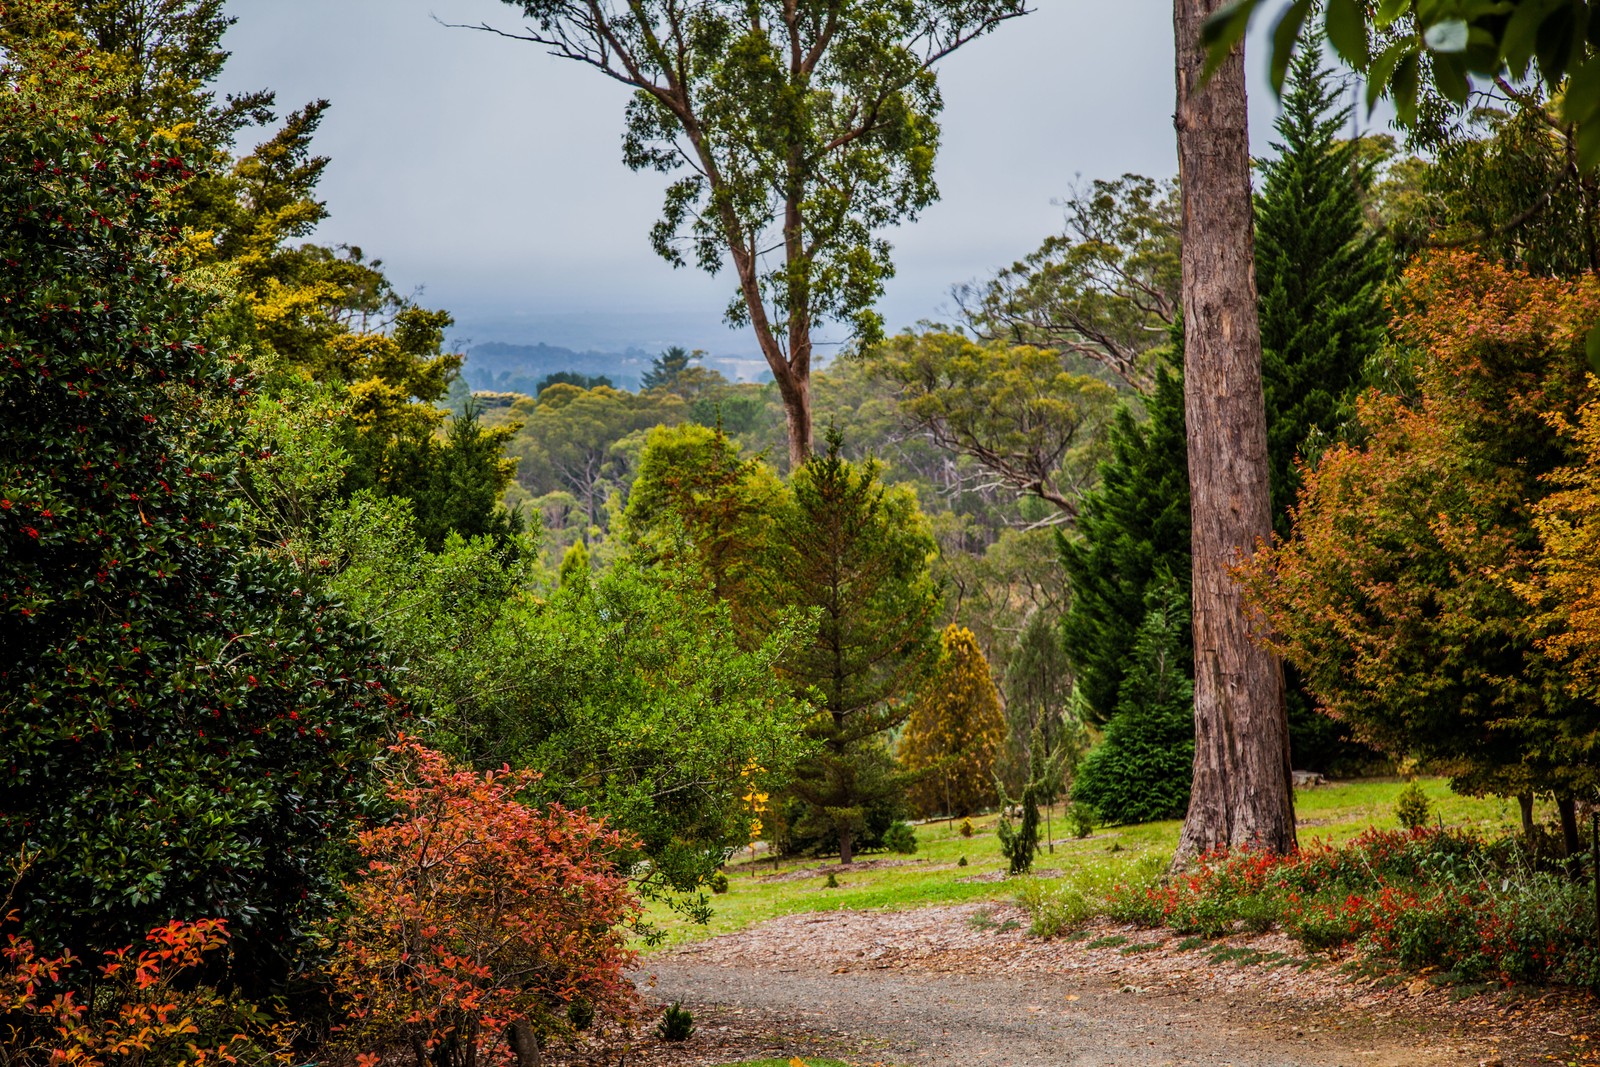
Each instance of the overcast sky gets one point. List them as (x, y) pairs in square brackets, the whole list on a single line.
[(489, 173)]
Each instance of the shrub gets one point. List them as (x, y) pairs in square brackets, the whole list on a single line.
[(901, 838), (184, 721), (1141, 770), (1412, 807), (962, 862), (145, 1008), (832, 882), (677, 1024), (719, 883), (1081, 817), (965, 828), (478, 919)]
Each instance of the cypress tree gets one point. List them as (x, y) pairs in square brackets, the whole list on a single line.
[(1140, 772), (1320, 273), (955, 730), (1132, 529)]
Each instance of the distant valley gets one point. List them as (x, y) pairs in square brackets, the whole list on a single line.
[(500, 367)]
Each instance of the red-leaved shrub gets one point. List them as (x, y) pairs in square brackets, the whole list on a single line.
[(144, 1009), (478, 923)]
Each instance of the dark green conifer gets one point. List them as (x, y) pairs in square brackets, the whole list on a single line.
[(1141, 770), (1320, 273), (1131, 529)]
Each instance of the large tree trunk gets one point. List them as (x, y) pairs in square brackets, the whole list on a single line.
[(1242, 788)]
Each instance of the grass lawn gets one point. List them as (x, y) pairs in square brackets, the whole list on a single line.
[(1333, 813)]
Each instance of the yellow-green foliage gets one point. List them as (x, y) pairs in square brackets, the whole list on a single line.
[(955, 730)]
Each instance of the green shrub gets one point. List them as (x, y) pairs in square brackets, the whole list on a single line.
[(901, 838), (966, 829), (962, 862), (1412, 807), (719, 883), (1081, 818), (186, 724), (1141, 770), (832, 882), (677, 1024)]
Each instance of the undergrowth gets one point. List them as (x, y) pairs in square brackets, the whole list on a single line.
[(1471, 908)]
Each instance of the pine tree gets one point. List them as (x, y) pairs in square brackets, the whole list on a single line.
[(1320, 273), (666, 368), (856, 554), (1141, 770), (1131, 531), (1321, 280), (1321, 276), (955, 730), (467, 473)]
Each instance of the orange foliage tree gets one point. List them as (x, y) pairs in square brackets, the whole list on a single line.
[(955, 730), (1399, 592), (1565, 584), (145, 1008), (480, 926)]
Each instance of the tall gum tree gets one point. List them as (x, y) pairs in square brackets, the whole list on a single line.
[(1241, 793), (798, 128)]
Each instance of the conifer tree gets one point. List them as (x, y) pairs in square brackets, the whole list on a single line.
[(1320, 274), (1140, 772), (955, 730), (1321, 280), (856, 554), (1131, 531)]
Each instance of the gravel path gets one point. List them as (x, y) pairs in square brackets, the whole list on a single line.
[(966, 986)]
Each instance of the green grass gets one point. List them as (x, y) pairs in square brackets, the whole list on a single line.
[(1334, 813)]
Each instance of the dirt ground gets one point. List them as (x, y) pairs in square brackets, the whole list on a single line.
[(966, 985)]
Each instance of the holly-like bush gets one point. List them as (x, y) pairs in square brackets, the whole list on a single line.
[(478, 922), (183, 723)]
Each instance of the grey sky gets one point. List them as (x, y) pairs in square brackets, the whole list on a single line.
[(490, 173)]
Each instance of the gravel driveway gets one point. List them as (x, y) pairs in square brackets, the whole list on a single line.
[(965, 985)]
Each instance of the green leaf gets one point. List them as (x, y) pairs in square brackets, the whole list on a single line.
[(1522, 29), (1448, 36), (1347, 31), (1224, 30), (1389, 11), (1450, 78), (1593, 347), (1589, 143), (1382, 70), (1284, 36), (1582, 97), (1403, 88)]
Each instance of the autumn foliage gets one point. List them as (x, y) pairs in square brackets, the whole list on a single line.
[(955, 730), (1400, 594), (143, 1008), (479, 923)]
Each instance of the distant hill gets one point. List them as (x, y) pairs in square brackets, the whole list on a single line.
[(499, 367)]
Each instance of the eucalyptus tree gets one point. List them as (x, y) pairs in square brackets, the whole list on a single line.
[(1241, 793), (797, 130)]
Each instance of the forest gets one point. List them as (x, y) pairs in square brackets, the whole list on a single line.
[(349, 714)]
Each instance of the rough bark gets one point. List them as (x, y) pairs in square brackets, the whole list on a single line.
[(1242, 786), (1525, 804)]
